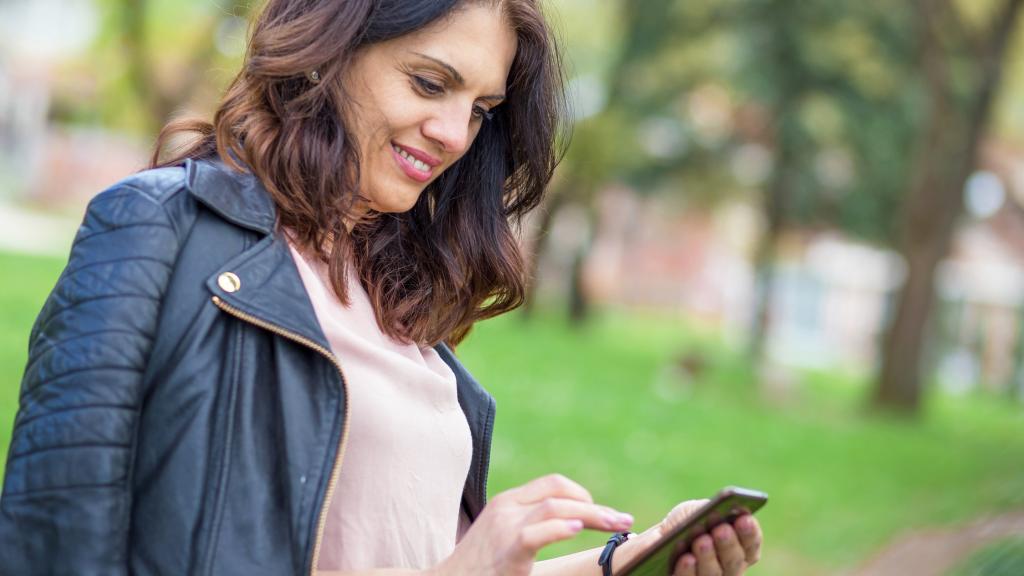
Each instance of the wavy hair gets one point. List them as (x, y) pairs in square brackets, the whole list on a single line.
[(452, 259)]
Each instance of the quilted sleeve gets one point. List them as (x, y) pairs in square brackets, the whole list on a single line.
[(66, 500)]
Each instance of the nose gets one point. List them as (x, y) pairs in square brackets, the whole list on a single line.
[(450, 127)]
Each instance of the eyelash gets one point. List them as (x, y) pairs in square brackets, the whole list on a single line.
[(429, 88)]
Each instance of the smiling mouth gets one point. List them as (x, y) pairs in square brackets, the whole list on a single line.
[(418, 164), (413, 167)]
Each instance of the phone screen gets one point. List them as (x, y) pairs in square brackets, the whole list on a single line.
[(728, 505)]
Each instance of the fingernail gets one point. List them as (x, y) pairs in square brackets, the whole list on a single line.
[(744, 525), (617, 520), (575, 525)]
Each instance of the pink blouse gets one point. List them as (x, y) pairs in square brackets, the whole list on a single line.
[(398, 498)]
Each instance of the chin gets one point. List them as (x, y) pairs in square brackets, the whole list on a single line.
[(396, 205), (394, 195)]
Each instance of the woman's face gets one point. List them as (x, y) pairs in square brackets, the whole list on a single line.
[(420, 99)]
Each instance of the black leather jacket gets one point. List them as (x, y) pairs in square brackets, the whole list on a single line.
[(181, 411)]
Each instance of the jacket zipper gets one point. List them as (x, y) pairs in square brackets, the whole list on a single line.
[(333, 482)]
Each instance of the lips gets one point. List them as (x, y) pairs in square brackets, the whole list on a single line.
[(416, 164)]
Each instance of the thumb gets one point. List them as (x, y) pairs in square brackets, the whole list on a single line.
[(681, 512), (675, 517)]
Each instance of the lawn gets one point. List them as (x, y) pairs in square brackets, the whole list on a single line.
[(613, 408), (27, 280), (602, 407)]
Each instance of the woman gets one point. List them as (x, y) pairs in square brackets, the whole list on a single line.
[(243, 368)]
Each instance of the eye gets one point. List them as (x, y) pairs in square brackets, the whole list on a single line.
[(481, 113), (427, 87)]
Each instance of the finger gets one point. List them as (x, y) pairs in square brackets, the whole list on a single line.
[(749, 532), (731, 556), (686, 566), (593, 515), (538, 535), (707, 561), (550, 486), (681, 512)]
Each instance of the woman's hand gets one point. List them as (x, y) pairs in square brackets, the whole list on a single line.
[(517, 523), (727, 551)]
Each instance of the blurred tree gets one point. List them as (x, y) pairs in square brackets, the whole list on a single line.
[(963, 68), (148, 65), (601, 149), (161, 99), (836, 79), (823, 78), (774, 26)]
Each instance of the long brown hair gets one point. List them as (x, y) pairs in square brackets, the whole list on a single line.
[(451, 260)]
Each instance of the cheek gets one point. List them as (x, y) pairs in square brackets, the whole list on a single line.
[(402, 126), (374, 121), (397, 111)]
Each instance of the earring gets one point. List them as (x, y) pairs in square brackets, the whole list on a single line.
[(313, 76)]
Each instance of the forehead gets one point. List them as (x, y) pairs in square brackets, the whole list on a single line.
[(476, 40)]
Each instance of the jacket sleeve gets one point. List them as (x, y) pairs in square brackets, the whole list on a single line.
[(66, 503)]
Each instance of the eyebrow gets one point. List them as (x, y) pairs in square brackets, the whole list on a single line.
[(455, 75)]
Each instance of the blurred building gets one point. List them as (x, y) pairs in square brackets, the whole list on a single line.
[(833, 294)]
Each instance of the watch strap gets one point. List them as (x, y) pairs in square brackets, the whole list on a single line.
[(605, 561)]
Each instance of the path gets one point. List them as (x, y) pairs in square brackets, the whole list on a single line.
[(935, 552), (30, 232)]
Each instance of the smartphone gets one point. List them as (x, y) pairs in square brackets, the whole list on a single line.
[(729, 504)]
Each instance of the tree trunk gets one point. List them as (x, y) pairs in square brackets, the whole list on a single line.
[(776, 205), (159, 102), (776, 200), (1015, 383), (777, 194), (578, 303), (134, 38), (579, 298), (948, 154), (539, 246)]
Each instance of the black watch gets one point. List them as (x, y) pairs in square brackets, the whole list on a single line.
[(605, 561)]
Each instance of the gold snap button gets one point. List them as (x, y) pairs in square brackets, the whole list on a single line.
[(229, 282)]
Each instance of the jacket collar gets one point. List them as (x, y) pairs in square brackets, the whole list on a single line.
[(238, 197), (271, 291)]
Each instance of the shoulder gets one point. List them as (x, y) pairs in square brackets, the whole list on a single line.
[(156, 185), (138, 206), (173, 195)]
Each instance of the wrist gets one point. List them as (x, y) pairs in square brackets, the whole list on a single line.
[(634, 545), (607, 556)]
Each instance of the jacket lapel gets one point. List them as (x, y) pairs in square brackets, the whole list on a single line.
[(478, 406), (269, 289), (266, 284)]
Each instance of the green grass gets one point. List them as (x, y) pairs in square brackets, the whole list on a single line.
[(609, 408), (27, 282), (601, 407)]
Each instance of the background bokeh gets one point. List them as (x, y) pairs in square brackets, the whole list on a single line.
[(785, 251)]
